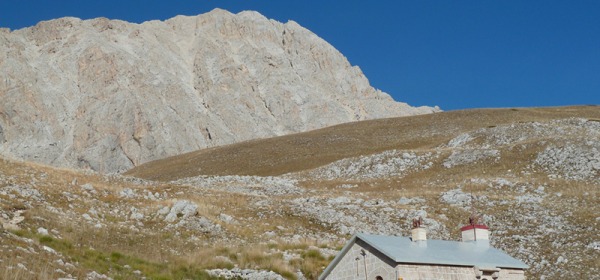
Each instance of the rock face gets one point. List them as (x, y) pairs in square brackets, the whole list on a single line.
[(109, 95)]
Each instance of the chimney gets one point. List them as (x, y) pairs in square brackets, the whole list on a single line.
[(419, 233), (475, 231)]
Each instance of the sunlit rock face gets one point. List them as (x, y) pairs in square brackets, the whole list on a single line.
[(108, 95)]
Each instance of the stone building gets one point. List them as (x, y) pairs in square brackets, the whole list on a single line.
[(416, 258)]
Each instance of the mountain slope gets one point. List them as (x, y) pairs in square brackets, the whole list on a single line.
[(109, 95), (304, 151), (533, 176)]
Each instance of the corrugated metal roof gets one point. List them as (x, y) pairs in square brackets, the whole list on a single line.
[(475, 253)]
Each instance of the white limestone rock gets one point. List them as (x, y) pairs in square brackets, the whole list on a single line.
[(574, 161), (226, 218), (135, 214), (181, 209), (42, 231), (457, 197), (247, 274), (127, 193), (461, 157), (89, 188), (108, 95)]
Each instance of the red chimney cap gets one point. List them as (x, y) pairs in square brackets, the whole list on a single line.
[(470, 227)]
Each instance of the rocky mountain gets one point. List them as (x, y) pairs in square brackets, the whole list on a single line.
[(109, 95), (532, 174)]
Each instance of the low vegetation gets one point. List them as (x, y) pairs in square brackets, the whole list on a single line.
[(78, 224)]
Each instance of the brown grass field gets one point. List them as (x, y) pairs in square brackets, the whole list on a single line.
[(303, 151)]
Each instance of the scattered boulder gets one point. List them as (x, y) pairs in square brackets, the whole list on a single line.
[(247, 274), (226, 218), (127, 193), (88, 187), (136, 214), (575, 161), (461, 157), (96, 276), (13, 224), (594, 246), (414, 200), (201, 224), (182, 209), (42, 231), (456, 197)]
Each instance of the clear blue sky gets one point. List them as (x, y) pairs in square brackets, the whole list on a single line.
[(455, 54)]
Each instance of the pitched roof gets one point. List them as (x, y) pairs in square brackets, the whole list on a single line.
[(476, 253), (441, 252)]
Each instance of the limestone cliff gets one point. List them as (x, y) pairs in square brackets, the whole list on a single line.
[(109, 95)]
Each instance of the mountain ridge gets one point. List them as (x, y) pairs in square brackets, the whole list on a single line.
[(108, 95)]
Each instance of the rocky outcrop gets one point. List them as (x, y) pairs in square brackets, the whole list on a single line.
[(109, 95)]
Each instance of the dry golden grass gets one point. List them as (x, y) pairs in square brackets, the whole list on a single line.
[(109, 249), (244, 242), (303, 151)]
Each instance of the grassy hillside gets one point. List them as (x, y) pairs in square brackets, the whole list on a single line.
[(303, 151), (532, 174)]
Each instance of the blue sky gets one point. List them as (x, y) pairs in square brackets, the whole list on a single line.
[(455, 54)]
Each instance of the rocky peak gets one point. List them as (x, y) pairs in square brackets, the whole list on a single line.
[(109, 95)]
